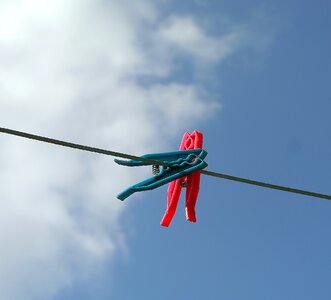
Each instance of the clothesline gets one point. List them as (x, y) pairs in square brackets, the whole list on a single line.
[(156, 162)]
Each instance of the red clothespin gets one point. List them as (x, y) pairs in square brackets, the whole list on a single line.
[(191, 182)]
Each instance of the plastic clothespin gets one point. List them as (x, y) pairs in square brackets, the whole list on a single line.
[(178, 164), (191, 182)]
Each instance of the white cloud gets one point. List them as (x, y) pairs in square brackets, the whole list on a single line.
[(187, 36), (71, 70)]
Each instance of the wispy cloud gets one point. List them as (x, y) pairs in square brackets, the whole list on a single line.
[(72, 70), (184, 34)]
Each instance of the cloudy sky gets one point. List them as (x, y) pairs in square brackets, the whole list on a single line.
[(133, 77)]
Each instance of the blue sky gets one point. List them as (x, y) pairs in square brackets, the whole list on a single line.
[(270, 122), (251, 243)]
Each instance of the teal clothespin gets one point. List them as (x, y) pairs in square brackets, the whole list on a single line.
[(178, 164)]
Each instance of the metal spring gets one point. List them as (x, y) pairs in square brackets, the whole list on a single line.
[(155, 169), (183, 183)]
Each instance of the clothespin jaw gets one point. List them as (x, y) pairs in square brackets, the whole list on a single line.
[(174, 165)]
